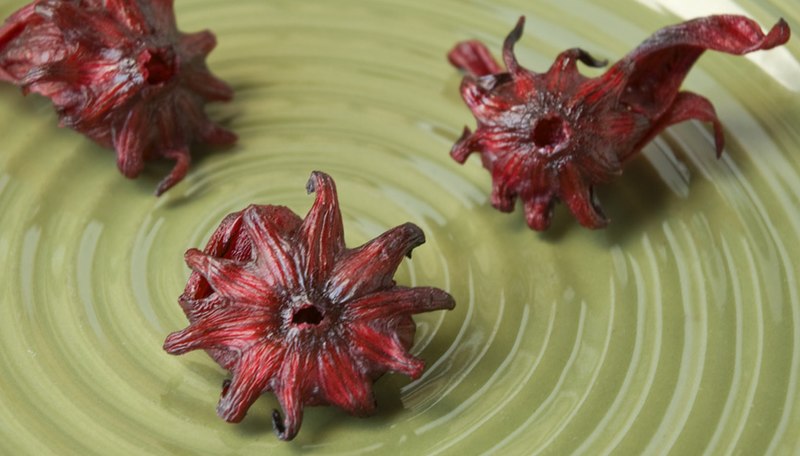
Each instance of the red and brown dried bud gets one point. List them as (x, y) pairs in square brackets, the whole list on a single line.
[(285, 306), (553, 136), (120, 72)]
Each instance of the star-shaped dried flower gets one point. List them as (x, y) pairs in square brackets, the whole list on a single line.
[(553, 136), (120, 72), (283, 305)]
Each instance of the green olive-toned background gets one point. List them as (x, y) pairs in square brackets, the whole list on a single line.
[(674, 331)]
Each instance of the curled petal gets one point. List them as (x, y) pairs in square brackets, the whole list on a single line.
[(358, 273), (660, 64), (251, 377), (386, 350), (509, 58), (296, 372), (474, 58), (182, 161), (579, 197), (322, 233), (228, 278), (466, 144), (687, 106), (524, 81), (563, 74), (400, 301)]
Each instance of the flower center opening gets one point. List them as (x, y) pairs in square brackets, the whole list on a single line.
[(550, 131), (308, 315), (158, 67)]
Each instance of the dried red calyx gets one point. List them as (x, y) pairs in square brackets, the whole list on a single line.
[(281, 303), (120, 72), (553, 136)]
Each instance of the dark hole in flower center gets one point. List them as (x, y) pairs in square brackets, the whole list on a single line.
[(550, 131), (159, 67), (308, 315)]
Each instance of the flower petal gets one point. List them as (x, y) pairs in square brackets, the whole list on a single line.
[(219, 245), (230, 279), (579, 197), (524, 80), (466, 144), (509, 173), (490, 141), (661, 62), (291, 389), (208, 86), (385, 350), (130, 143), (687, 106), (563, 73), (251, 378), (399, 301), (371, 266), (229, 327), (321, 235), (182, 160), (474, 58), (343, 384), (540, 198), (273, 252), (489, 103)]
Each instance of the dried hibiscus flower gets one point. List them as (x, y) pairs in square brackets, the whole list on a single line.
[(120, 72), (553, 136), (282, 303)]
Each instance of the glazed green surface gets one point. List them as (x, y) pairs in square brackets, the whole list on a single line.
[(674, 331)]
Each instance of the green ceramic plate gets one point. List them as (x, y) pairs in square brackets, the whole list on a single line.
[(674, 331)]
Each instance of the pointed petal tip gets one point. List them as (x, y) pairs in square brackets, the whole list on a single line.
[(443, 300), (779, 34), (508, 46), (416, 369), (195, 259), (539, 214), (172, 344), (317, 179), (414, 234), (463, 147), (473, 57), (589, 60), (282, 430)]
